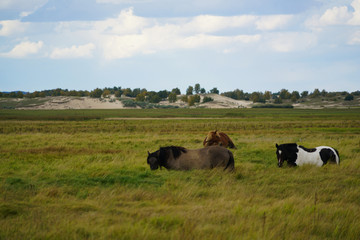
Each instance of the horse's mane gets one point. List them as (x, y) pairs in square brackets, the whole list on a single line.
[(289, 145), (165, 152), (307, 149)]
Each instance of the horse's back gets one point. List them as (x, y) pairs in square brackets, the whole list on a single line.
[(204, 158), (317, 156)]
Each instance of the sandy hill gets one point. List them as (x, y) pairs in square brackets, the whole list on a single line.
[(111, 102)]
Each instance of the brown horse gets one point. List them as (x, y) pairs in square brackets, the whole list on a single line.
[(180, 158), (218, 138)]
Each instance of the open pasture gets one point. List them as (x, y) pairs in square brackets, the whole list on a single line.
[(77, 175)]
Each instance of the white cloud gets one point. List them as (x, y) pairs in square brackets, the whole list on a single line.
[(335, 15), (125, 23), (11, 27), (355, 20), (273, 22), (24, 49), (82, 51)]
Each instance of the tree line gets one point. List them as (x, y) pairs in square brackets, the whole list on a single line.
[(284, 94), (191, 95)]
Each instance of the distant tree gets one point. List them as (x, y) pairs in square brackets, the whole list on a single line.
[(197, 98), (135, 92), (197, 88), (163, 94), (214, 90), (172, 97), (202, 91), (267, 95), (96, 93), (56, 92), (315, 93), (193, 99), (278, 100), (19, 94), (141, 97), (324, 93), (257, 97), (356, 93), (153, 97), (184, 99), (118, 93), (176, 91), (12, 94), (207, 99), (349, 97), (295, 95), (106, 93), (304, 94), (127, 92), (285, 94), (189, 90)]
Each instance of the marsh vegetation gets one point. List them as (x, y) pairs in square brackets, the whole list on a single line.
[(77, 175)]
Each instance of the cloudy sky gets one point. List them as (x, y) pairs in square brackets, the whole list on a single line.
[(253, 45)]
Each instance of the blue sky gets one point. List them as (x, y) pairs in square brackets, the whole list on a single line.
[(252, 45)]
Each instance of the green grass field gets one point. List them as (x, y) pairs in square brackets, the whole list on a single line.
[(77, 175)]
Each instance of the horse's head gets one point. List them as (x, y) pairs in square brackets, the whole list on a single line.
[(212, 138), (280, 153), (287, 152), (153, 160)]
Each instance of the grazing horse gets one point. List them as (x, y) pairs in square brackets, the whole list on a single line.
[(180, 158), (218, 138), (297, 155)]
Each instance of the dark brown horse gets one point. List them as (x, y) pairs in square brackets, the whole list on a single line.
[(218, 138), (180, 158)]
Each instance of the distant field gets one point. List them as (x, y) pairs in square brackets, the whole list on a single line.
[(73, 174), (272, 114)]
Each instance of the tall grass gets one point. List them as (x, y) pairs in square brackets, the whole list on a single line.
[(89, 179)]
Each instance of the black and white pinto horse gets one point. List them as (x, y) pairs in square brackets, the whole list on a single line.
[(297, 155)]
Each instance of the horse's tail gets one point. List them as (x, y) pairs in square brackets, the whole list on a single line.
[(231, 162)]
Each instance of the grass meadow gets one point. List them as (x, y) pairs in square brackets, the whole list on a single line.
[(78, 175)]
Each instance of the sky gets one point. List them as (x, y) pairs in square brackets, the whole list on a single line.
[(252, 45)]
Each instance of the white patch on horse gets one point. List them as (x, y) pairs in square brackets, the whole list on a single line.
[(314, 158)]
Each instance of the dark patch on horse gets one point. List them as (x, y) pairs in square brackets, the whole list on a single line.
[(326, 155), (308, 149), (291, 150), (289, 153), (165, 153)]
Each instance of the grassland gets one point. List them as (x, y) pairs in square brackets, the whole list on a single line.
[(76, 175)]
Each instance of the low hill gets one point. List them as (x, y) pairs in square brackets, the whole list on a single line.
[(218, 101)]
